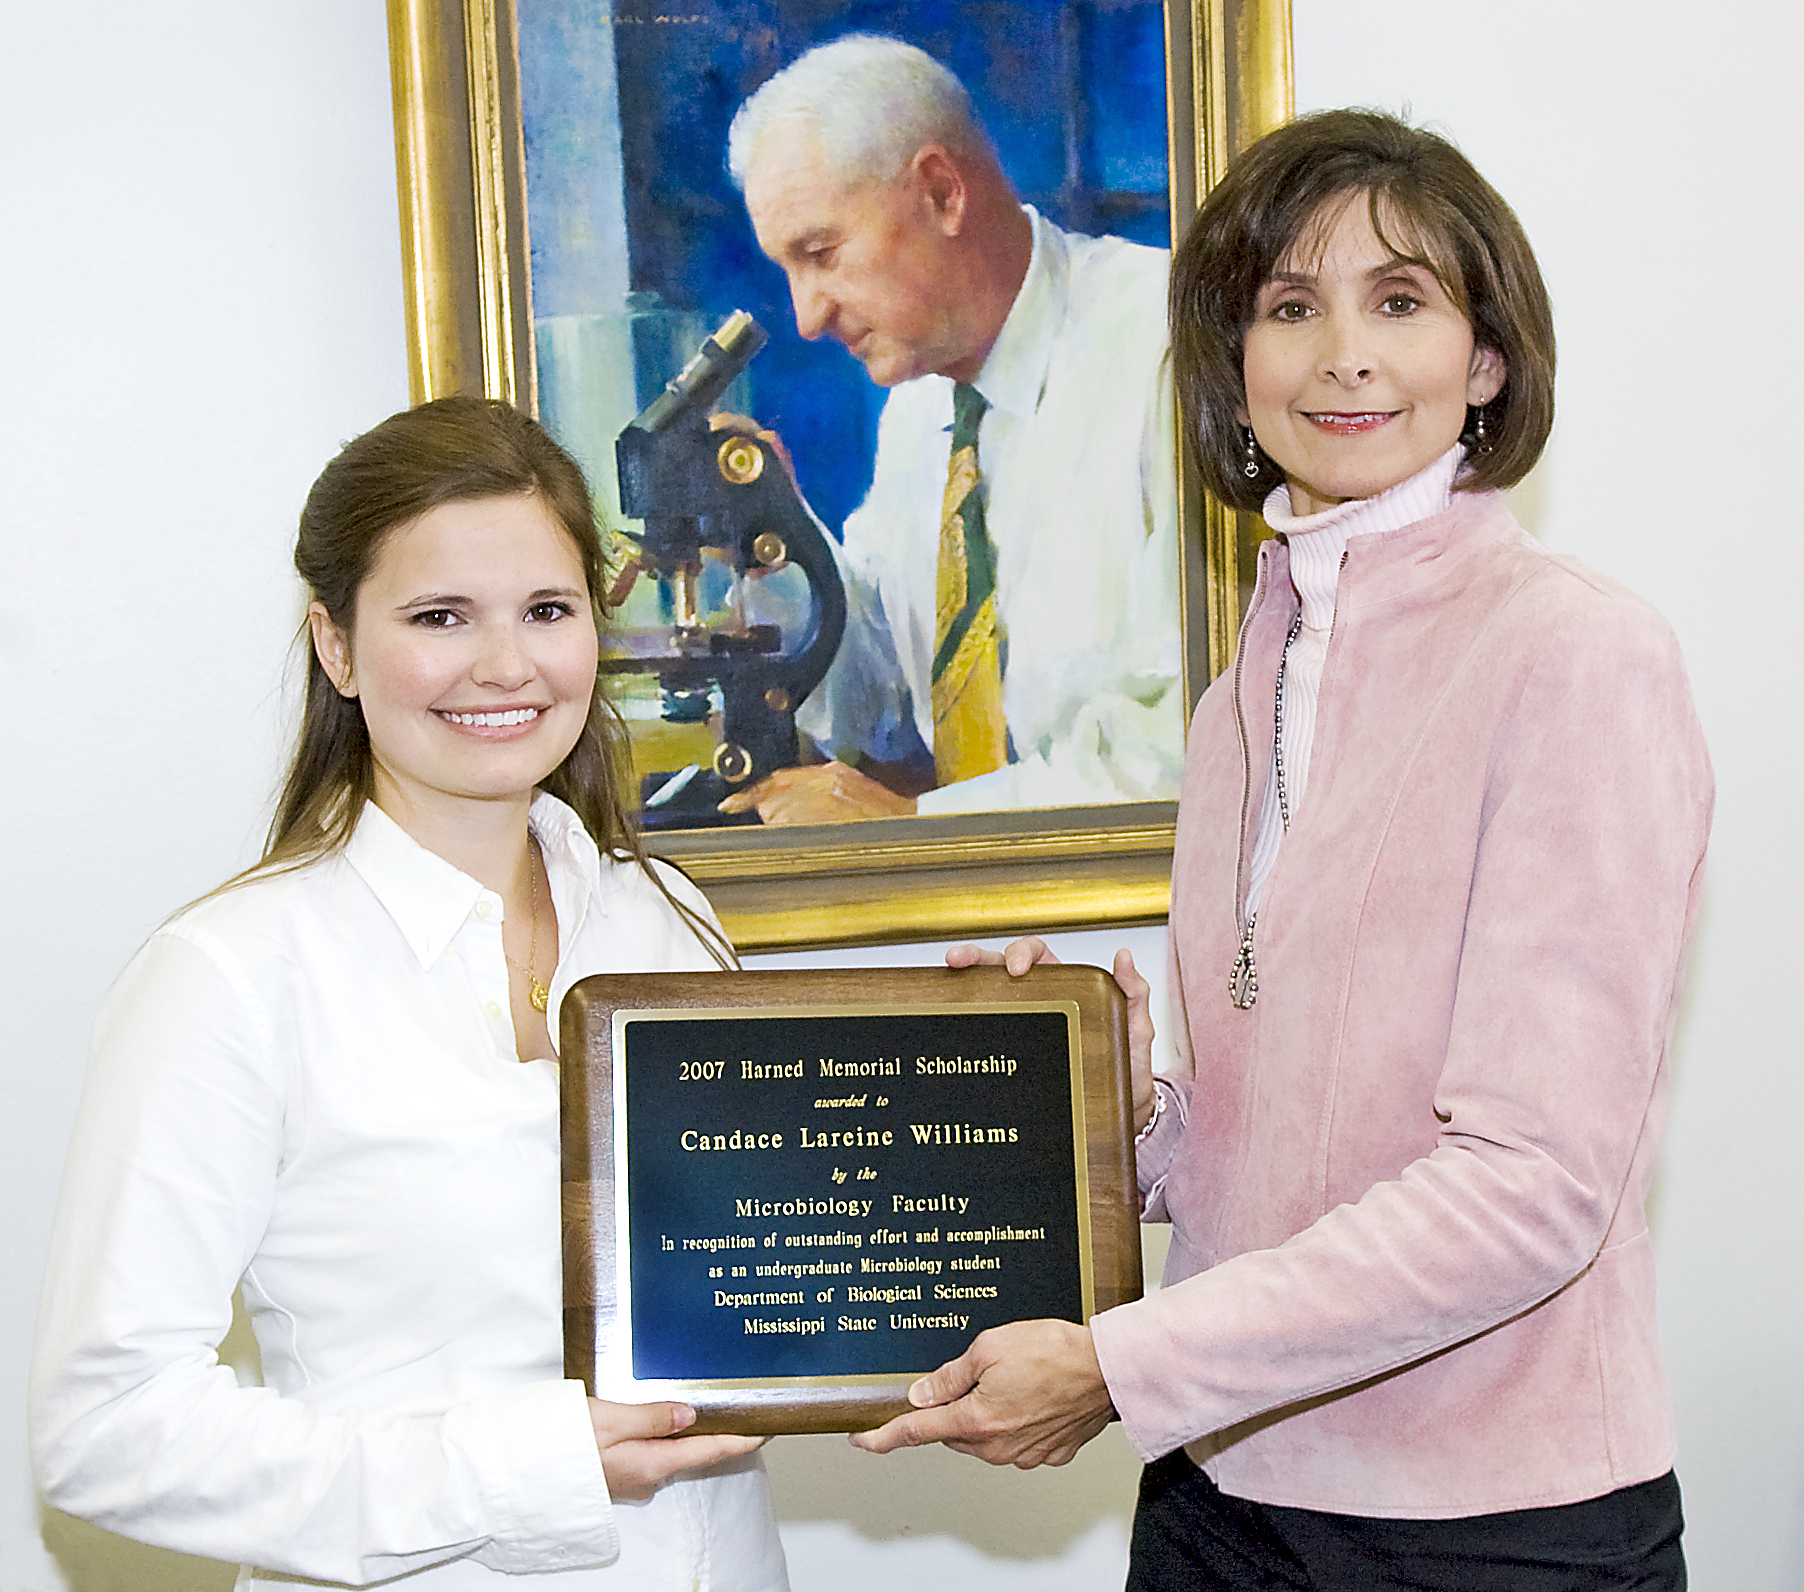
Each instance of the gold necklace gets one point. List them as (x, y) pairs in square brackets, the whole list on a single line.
[(538, 993)]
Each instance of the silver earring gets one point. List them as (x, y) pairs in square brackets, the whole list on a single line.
[(1480, 442), (1251, 468)]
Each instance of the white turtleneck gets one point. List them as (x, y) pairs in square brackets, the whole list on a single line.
[(1318, 545)]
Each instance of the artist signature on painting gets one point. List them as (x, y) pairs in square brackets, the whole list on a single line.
[(629, 19)]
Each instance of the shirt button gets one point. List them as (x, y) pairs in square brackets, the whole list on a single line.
[(483, 909), (492, 1009)]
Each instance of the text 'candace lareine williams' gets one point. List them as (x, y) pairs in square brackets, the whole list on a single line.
[(923, 1133)]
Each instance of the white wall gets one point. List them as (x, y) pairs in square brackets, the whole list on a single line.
[(201, 281), (202, 286)]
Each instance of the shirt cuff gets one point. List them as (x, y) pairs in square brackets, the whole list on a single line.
[(532, 1451), (1158, 1142), (1133, 1345)]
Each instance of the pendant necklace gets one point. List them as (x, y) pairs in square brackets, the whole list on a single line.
[(1243, 977), (538, 993)]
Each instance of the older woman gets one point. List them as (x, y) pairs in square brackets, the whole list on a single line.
[(1438, 853)]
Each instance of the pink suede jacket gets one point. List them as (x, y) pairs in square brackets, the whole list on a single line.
[(1410, 1271)]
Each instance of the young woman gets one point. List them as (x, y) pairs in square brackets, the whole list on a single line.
[(1438, 851), (332, 1084)]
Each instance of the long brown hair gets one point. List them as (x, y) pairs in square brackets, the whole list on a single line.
[(452, 450)]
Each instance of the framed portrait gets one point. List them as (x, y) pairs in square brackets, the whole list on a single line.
[(574, 243)]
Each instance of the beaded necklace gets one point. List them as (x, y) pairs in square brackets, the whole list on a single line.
[(1243, 977)]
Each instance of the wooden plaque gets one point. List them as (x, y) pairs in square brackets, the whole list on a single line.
[(788, 1194)]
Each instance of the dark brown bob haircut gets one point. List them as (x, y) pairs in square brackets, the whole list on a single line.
[(452, 450), (1430, 207)]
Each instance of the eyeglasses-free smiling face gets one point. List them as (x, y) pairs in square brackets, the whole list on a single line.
[(472, 653), (1359, 367)]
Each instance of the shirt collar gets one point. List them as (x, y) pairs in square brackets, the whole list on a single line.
[(1014, 375), (430, 900), (572, 863), (1318, 542), (1427, 492)]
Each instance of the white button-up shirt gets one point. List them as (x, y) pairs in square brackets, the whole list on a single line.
[(1078, 459), (307, 1087)]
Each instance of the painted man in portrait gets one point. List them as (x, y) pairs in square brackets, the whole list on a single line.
[(1014, 637)]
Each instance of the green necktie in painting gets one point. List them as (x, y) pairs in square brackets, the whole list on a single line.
[(970, 735)]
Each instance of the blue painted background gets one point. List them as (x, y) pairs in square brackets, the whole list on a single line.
[(626, 114)]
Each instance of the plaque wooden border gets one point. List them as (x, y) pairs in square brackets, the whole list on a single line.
[(826, 1403)]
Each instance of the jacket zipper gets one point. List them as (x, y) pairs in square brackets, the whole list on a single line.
[(1243, 977)]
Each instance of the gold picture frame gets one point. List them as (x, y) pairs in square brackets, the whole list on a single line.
[(461, 173)]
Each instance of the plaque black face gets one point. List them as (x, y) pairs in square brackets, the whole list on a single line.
[(828, 1194)]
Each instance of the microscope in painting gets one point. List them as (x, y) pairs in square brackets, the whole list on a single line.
[(719, 497)]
